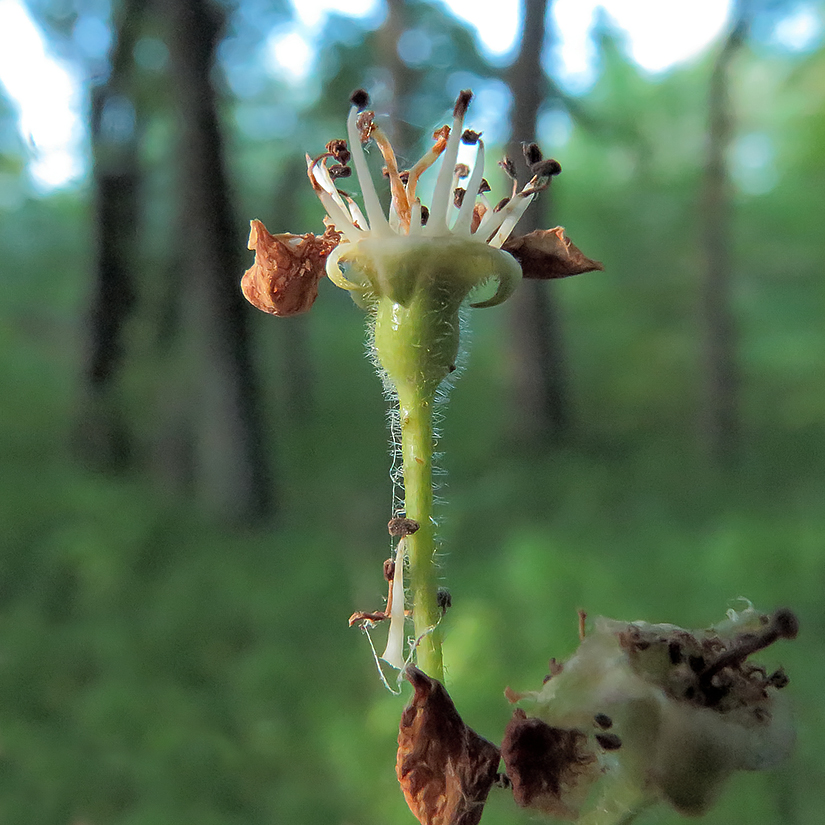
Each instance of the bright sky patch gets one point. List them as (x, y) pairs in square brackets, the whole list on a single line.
[(47, 94)]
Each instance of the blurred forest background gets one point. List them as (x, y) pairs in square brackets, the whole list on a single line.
[(195, 495)]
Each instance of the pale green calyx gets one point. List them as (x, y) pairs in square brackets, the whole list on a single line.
[(399, 267), (414, 287)]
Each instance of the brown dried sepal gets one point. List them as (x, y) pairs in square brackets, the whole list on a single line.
[(549, 253), (367, 618), (545, 764), (445, 769), (284, 278)]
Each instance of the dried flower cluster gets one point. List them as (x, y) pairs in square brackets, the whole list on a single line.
[(641, 713)]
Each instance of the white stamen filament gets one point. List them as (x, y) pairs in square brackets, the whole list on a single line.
[(332, 202), (443, 195), (321, 174), (511, 218), (375, 213), (357, 215), (465, 214), (394, 653), (342, 221), (493, 220), (415, 217)]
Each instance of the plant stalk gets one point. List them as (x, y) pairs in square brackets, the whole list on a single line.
[(416, 418), (416, 340)]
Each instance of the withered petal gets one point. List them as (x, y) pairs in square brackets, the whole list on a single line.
[(549, 253), (544, 763), (284, 278), (445, 768)]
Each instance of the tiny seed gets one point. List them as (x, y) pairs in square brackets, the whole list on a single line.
[(609, 741), (603, 721)]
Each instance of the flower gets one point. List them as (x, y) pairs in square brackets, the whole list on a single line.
[(651, 712), (459, 243)]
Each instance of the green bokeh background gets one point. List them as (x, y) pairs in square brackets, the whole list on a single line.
[(158, 667)]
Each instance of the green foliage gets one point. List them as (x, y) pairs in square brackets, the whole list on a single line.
[(156, 668)]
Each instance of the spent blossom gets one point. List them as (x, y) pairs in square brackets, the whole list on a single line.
[(462, 234), (651, 712)]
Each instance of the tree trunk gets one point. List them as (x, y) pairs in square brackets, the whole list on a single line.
[(102, 435), (540, 396), (720, 415), (404, 135), (231, 466), (299, 373)]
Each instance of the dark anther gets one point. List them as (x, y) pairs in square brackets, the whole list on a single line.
[(425, 215), (458, 196), (547, 678), (402, 176), (785, 624), (506, 163), (338, 170), (462, 170), (462, 102), (483, 186), (609, 741), (532, 153), (470, 138), (501, 204), (402, 526), (444, 599), (778, 679), (389, 569), (696, 663), (452, 368), (338, 149), (360, 99), (503, 781), (674, 651), (603, 721), (546, 168)]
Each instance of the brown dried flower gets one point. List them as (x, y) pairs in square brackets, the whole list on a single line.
[(549, 767), (284, 278), (445, 769), (549, 253)]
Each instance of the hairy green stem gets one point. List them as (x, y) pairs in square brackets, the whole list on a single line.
[(416, 340), (416, 419), (414, 288)]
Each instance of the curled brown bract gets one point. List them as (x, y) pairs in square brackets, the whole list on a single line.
[(546, 764), (284, 278), (549, 253), (445, 769)]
